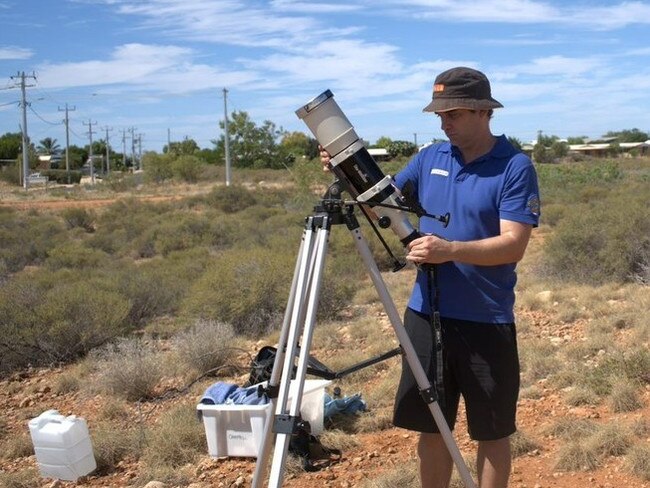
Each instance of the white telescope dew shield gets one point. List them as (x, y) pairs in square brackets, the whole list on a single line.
[(354, 166)]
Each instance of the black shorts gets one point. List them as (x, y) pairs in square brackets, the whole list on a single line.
[(480, 362)]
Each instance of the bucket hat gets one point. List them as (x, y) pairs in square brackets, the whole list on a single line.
[(461, 88)]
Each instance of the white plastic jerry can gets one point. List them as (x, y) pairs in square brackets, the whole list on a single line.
[(62, 446)]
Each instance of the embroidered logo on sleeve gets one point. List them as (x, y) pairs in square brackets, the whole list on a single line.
[(439, 172), (533, 204)]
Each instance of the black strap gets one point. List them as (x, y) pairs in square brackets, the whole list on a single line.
[(436, 328)]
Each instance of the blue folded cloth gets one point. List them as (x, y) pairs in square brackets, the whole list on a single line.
[(347, 405), (221, 393)]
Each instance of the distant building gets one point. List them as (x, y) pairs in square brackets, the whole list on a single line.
[(379, 153)]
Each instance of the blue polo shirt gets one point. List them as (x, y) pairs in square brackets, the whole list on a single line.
[(500, 185)]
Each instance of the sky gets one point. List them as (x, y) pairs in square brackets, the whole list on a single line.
[(158, 68)]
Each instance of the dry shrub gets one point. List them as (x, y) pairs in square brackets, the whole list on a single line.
[(576, 456), (568, 428), (610, 440), (16, 446), (28, 478), (177, 439), (208, 346), (521, 443), (112, 445), (66, 383), (128, 368), (625, 396), (581, 396), (637, 461), (404, 476)]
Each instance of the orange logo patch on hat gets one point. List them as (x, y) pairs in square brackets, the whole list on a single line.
[(438, 87)]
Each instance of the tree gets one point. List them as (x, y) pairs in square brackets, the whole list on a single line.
[(546, 141), (298, 144), (401, 148), (383, 142), (629, 135), (186, 147), (252, 146), (541, 154), (576, 140), (78, 156), (48, 146), (11, 145), (559, 149), (159, 166)]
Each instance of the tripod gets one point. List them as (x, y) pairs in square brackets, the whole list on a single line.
[(299, 320)]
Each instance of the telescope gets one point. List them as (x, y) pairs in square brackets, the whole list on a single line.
[(355, 167)]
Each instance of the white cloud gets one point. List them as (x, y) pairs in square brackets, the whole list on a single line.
[(161, 68), (12, 52), (313, 8), (528, 12)]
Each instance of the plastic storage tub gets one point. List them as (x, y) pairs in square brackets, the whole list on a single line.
[(238, 430)]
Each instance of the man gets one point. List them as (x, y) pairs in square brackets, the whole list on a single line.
[(490, 190)]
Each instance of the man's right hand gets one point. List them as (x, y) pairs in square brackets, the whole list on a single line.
[(324, 158)]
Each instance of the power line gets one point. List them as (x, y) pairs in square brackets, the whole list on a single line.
[(31, 109)]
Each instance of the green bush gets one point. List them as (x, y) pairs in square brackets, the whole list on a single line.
[(157, 288), (606, 241), (248, 288), (158, 167), (27, 238), (187, 168), (79, 217), (56, 316), (230, 199), (75, 255)]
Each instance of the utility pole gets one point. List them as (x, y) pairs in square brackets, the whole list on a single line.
[(66, 121), (90, 150), (226, 138), (140, 151), (415, 138), (132, 130), (23, 104), (108, 151), (124, 148)]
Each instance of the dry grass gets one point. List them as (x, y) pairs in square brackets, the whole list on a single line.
[(16, 447), (28, 478), (111, 445), (637, 461), (625, 396), (405, 477)]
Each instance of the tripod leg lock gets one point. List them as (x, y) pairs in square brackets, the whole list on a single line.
[(288, 424), (429, 395)]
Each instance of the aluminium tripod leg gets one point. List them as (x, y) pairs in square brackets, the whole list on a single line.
[(298, 284), (421, 378), (284, 424), (301, 309)]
